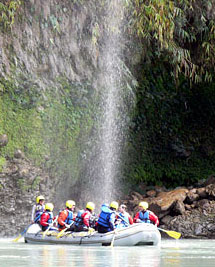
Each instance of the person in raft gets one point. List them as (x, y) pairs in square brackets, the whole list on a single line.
[(47, 217), (123, 217), (145, 215), (107, 217), (85, 218), (38, 209), (66, 216)]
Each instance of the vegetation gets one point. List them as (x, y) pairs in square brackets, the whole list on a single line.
[(8, 10), (45, 127), (182, 32), (173, 124)]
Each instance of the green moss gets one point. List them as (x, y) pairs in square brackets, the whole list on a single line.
[(36, 182), (2, 163)]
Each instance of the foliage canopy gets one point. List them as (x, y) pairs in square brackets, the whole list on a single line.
[(182, 31)]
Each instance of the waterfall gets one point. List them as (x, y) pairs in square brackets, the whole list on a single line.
[(103, 171)]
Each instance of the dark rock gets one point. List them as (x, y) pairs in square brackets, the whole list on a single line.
[(3, 140), (19, 154), (210, 180), (151, 193), (201, 192), (167, 219), (210, 190), (203, 203), (179, 208), (191, 196)]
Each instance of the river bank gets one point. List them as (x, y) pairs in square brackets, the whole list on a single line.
[(190, 211)]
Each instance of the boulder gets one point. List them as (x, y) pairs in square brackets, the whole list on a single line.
[(151, 193), (210, 190), (210, 180), (201, 192), (179, 208), (19, 154), (3, 140), (165, 200), (192, 196)]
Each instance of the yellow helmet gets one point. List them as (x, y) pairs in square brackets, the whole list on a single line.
[(90, 206), (39, 198), (70, 204), (144, 205), (114, 205), (49, 206)]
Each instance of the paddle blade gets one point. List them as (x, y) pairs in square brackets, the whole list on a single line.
[(17, 238), (174, 234), (44, 233), (61, 233)]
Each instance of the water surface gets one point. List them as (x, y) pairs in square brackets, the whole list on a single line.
[(170, 253)]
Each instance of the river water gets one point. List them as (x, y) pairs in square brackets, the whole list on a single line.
[(169, 253)]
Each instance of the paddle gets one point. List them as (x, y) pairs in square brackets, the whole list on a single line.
[(25, 230), (64, 230), (173, 234), (123, 219), (50, 225), (113, 239)]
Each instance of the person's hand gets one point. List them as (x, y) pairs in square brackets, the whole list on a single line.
[(138, 221), (91, 230), (67, 225)]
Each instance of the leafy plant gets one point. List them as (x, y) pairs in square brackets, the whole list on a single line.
[(8, 10)]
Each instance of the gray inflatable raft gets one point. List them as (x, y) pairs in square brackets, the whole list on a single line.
[(133, 235)]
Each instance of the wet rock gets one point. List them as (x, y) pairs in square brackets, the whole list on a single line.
[(19, 154), (192, 196), (165, 200), (23, 172), (3, 140), (201, 192), (151, 193), (179, 207), (203, 203), (198, 230), (210, 180), (210, 190), (167, 219), (136, 196)]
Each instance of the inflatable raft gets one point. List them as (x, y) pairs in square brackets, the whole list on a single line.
[(133, 235)]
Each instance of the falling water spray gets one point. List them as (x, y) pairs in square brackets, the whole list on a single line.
[(113, 84)]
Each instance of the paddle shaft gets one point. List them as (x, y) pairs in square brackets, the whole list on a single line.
[(46, 231), (123, 219), (64, 230), (25, 230)]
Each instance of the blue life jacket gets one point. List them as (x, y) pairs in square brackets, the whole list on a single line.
[(124, 220), (144, 217), (105, 217), (78, 219), (69, 217)]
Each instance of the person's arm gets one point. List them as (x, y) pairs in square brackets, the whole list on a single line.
[(153, 218), (112, 221), (137, 217), (33, 213), (62, 217), (130, 219)]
